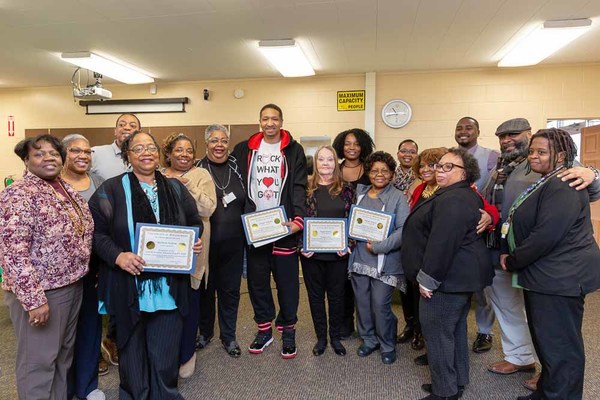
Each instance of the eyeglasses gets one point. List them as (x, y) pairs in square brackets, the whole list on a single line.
[(179, 150), (77, 151), (404, 151), (384, 172), (447, 167), (216, 141), (140, 148)]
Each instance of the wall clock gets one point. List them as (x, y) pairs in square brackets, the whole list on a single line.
[(396, 113)]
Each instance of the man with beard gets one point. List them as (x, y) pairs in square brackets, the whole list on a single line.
[(466, 134), (506, 182)]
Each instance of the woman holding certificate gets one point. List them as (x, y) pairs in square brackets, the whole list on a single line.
[(179, 154), (327, 197), (148, 306), (442, 251), (375, 265)]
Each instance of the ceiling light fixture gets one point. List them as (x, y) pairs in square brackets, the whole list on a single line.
[(116, 70), (287, 57), (543, 41)]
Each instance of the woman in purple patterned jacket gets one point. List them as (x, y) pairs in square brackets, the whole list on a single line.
[(45, 243)]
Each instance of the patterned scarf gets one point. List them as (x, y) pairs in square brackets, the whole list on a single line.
[(496, 195)]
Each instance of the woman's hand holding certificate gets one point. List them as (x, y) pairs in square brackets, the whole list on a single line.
[(366, 224), (325, 235)]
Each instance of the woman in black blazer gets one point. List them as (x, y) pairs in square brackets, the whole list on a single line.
[(549, 244), (442, 252)]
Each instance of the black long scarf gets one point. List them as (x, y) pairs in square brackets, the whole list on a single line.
[(142, 212)]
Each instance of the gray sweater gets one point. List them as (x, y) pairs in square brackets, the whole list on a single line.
[(388, 250)]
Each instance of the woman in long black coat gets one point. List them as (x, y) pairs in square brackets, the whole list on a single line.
[(442, 251)]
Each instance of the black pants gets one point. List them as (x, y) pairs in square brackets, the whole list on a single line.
[(349, 305), (410, 306), (83, 374), (444, 324), (261, 263), (555, 326), (320, 278), (224, 279), (149, 362)]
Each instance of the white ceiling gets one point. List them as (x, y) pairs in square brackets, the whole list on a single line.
[(187, 40)]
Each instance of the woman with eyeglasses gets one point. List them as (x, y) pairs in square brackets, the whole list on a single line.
[(374, 267), (45, 245), (424, 167), (442, 251), (227, 242), (179, 153), (421, 167), (83, 375), (148, 306)]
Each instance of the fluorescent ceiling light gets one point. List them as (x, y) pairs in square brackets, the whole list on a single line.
[(287, 57), (106, 67), (543, 41)]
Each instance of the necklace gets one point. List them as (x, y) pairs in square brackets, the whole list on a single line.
[(76, 217), (429, 191), (216, 180), (355, 166)]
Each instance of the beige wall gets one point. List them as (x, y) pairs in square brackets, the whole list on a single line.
[(438, 99), (492, 96)]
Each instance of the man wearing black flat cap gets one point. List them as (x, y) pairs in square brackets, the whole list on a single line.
[(506, 183)]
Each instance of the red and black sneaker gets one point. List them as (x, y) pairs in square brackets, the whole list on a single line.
[(261, 341), (288, 350)]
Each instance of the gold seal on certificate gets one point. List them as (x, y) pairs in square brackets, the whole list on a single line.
[(325, 235), (166, 248), (262, 227), (368, 224)]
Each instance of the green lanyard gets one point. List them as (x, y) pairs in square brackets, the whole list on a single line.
[(507, 228)]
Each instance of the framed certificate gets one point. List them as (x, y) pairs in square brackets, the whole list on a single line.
[(325, 235), (166, 248), (366, 224), (262, 227)]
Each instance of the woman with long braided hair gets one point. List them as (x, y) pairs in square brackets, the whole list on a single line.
[(556, 260)]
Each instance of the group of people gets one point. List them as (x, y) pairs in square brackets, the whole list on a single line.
[(469, 222)]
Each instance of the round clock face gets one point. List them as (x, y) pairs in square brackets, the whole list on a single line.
[(396, 113)]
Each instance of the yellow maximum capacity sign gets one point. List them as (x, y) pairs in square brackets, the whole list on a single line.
[(351, 100)]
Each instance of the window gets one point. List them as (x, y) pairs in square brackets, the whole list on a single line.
[(573, 126)]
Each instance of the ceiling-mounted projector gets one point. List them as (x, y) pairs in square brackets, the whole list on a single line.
[(92, 93)]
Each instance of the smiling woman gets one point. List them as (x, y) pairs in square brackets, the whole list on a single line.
[(148, 306), (554, 256), (179, 156), (44, 250), (89, 324)]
